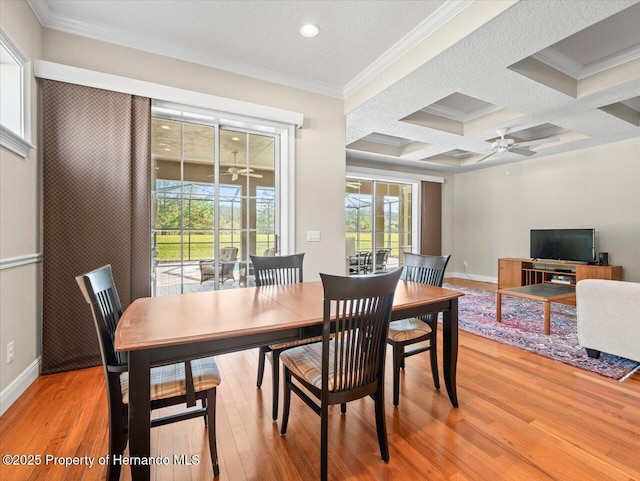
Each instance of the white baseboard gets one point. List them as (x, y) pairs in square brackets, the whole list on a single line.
[(19, 385), (471, 277)]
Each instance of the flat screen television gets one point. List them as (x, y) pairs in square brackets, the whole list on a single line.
[(577, 245)]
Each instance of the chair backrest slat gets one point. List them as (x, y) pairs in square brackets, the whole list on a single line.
[(100, 292), (278, 270), (360, 310), (425, 269)]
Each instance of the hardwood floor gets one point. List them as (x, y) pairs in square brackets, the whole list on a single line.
[(521, 417)]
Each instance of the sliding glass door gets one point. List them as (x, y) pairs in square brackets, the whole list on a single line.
[(379, 217), (214, 203)]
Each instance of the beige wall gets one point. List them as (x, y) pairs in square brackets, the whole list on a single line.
[(494, 208), (19, 220)]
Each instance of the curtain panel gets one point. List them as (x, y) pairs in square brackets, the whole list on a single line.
[(431, 218), (96, 188)]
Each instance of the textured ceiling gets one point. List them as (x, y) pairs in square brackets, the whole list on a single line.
[(478, 67), (256, 38), (563, 68)]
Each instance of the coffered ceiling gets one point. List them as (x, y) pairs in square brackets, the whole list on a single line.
[(555, 75)]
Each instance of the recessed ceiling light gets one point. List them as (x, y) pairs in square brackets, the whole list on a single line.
[(309, 30), (167, 149), (235, 139), (165, 127)]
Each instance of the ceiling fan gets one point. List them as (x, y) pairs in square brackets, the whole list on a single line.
[(353, 185), (234, 172), (502, 145)]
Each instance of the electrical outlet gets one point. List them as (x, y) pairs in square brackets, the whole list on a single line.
[(10, 352), (465, 264)]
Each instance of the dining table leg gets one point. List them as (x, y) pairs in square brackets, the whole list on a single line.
[(139, 415), (450, 349)]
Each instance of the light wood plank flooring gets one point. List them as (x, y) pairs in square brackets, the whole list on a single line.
[(521, 417)]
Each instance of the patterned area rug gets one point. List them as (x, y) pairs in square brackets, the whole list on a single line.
[(522, 326)]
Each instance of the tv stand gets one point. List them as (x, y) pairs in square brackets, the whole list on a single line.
[(527, 272)]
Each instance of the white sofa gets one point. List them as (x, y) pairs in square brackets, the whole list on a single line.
[(609, 317)]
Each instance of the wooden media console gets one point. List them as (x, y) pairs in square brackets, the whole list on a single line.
[(546, 281)]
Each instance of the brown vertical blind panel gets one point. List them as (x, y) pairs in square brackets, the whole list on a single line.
[(96, 155), (431, 219)]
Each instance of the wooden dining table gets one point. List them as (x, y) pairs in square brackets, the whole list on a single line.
[(167, 329)]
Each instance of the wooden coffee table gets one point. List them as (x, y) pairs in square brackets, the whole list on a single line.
[(547, 293)]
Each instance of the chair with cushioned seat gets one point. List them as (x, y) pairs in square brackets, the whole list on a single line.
[(349, 362), (426, 270), (277, 270), (172, 384), (228, 257)]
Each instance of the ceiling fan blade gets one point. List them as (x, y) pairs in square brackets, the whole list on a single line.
[(538, 142), (257, 176), (487, 156), (526, 152)]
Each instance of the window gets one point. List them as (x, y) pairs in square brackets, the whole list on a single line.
[(216, 200), (15, 106), (380, 216)]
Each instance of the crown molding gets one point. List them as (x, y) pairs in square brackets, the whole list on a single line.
[(454, 114), (570, 67), (387, 139), (424, 30), (168, 48), (165, 47), (559, 61), (610, 61)]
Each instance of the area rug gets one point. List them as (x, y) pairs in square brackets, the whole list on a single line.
[(522, 326)]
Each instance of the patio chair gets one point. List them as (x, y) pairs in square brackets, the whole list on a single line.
[(358, 263), (426, 270), (382, 255), (246, 278), (172, 384), (228, 257), (348, 364)]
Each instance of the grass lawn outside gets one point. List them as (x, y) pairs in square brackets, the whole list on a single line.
[(200, 246)]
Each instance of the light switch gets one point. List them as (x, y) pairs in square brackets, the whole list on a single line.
[(313, 236)]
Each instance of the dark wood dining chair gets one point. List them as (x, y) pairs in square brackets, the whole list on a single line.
[(349, 362), (246, 270), (426, 270), (172, 384), (277, 270)]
